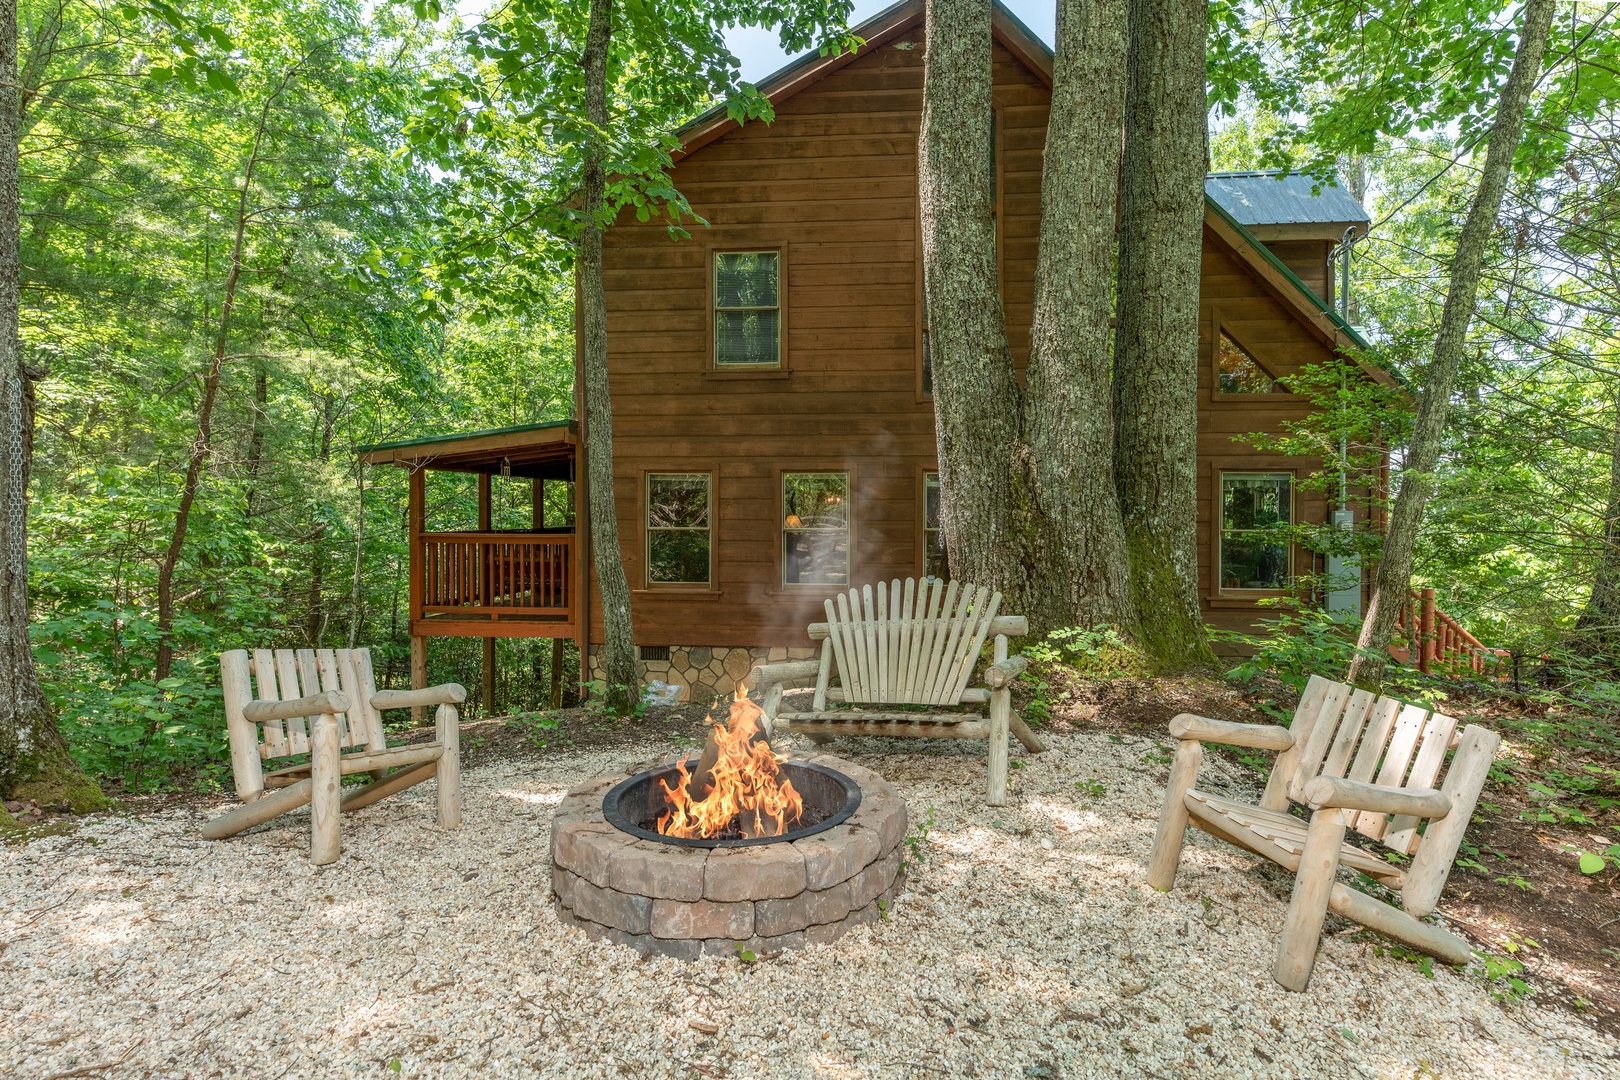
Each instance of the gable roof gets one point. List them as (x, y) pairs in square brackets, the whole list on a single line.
[(886, 26), (1275, 205), (892, 23)]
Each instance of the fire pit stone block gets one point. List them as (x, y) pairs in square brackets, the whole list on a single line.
[(758, 873), (875, 880), (661, 871), (620, 911), (702, 919), (593, 854), (838, 854), (884, 813)]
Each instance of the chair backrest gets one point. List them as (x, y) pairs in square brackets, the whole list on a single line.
[(1344, 732), (907, 643), (289, 674)]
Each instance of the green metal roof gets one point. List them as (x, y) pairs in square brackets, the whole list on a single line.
[(432, 440)]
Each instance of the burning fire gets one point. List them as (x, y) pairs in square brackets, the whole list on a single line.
[(736, 784)]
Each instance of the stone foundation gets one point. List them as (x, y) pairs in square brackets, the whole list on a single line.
[(705, 672), (687, 902)]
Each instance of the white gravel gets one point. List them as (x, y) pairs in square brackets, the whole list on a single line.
[(1026, 945)]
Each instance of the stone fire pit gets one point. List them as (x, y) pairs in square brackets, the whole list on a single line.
[(686, 901)]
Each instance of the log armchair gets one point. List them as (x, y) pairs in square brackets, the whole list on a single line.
[(907, 644), (1358, 762), (323, 702)]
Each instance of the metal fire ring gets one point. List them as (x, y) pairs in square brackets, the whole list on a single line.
[(617, 817)]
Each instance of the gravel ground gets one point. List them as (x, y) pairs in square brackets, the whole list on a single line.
[(1025, 945)]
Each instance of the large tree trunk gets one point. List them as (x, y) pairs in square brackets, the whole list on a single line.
[(976, 394), (1393, 579), (619, 649), (1599, 624), (1074, 520), (202, 444), (33, 757), (1156, 346)]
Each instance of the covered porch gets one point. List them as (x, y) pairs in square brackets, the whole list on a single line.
[(480, 580)]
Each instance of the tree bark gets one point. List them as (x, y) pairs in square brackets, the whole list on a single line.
[(619, 649), (202, 444), (977, 402), (1074, 514), (33, 756), (1155, 389), (1393, 579), (1599, 624), (314, 608)]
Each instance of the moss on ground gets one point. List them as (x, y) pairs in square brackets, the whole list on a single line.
[(58, 780)]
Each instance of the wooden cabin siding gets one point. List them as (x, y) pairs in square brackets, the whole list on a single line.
[(832, 183), (1308, 260)]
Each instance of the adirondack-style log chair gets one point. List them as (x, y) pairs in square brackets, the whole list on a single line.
[(907, 644), (336, 692), (1359, 762)]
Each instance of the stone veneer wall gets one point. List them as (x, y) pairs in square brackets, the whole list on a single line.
[(706, 672)]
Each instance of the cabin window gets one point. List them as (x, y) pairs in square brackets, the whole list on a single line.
[(815, 528), (747, 309), (1240, 372), (679, 524), (935, 563), (1255, 508)]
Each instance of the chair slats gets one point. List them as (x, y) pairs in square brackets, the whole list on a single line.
[(287, 676), (264, 671), (1408, 727), (1401, 834), (1323, 727), (1350, 729)]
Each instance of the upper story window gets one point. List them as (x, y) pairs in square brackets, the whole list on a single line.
[(1239, 372), (679, 528), (935, 562), (815, 528), (747, 309), (1253, 506)]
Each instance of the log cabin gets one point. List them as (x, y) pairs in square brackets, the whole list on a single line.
[(773, 425)]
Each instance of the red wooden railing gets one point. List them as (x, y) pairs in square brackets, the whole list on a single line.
[(1441, 642), (497, 574)]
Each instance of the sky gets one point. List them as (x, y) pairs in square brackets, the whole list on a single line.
[(761, 55)]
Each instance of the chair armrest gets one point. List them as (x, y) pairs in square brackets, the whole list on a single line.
[(1003, 672), (777, 674), (1330, 791), (260, 712), (1203, 729), (445, 694)]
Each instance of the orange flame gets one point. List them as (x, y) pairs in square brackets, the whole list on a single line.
[(743, 784)]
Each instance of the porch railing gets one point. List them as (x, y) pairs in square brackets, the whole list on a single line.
[(495, 574), (1434, 640)]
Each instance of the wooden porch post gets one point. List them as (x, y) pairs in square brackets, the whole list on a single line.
[(1426, 632), (486, 522), (489, 677), (539, 519), (416, 514)]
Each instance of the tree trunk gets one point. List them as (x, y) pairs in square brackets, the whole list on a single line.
[(1393, 579), (619, 649), (356, 596), (1082, 577), (1599, 624), (1156, 345), (34, 762), (255, 455), (976, 395), (202, 445), (314, 608)]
